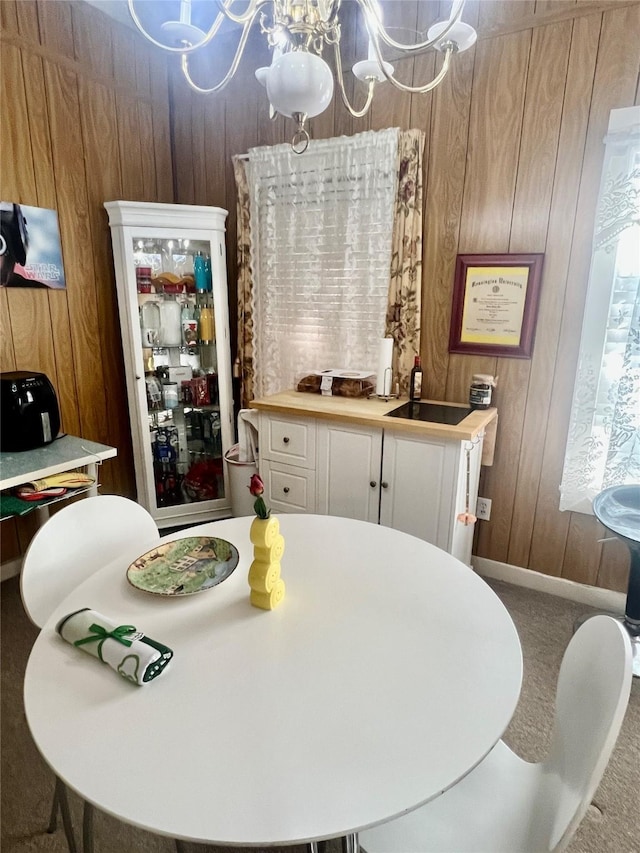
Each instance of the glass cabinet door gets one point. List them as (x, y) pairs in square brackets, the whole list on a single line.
[(173, 281)]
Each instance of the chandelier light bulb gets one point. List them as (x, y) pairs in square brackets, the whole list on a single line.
[(299, 82)]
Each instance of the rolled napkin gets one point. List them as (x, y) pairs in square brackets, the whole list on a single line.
[(263, 576), (268, 600), (125, 649)]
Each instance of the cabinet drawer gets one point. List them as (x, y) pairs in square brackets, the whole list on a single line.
[(289, 489), (288, 440)]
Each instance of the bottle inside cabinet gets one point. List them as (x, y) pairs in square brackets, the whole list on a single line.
[(177, 334)]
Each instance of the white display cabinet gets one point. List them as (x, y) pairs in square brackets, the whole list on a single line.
[(171, 281)]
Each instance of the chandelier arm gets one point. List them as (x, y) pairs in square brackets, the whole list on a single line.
[(232, 68), (420, 90), (376, 30), (345, 100), (254, 5), (209, 35)]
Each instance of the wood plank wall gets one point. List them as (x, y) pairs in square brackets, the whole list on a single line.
[(86, 119), (512, 164)]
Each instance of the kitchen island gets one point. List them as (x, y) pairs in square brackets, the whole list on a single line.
[(346, 456)]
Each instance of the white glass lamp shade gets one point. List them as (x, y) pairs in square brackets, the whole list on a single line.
[(461, 34), (299, 82)]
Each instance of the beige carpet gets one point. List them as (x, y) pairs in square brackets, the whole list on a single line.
[(544, 623)]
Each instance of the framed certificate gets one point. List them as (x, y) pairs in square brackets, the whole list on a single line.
[(495, 304)]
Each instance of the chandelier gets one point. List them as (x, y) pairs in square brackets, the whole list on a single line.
[(299, 82)]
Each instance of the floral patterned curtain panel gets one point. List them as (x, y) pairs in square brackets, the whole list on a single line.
[(603, 446), (402, 320)]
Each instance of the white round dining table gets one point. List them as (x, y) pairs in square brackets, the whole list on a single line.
[(389, 670)]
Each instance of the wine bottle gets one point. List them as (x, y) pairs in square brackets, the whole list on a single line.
[(415, 382)]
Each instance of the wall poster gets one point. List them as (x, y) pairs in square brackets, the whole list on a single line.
[(30, 250)]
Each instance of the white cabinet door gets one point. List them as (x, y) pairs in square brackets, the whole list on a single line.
[(423, 489), (418, 482), (349, 461)]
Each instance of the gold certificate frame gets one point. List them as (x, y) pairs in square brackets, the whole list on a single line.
[(495, 304)]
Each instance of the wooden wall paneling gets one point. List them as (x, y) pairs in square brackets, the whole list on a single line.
[(182, 154), (161, 127), (28, 25), (497, 106), (544, 7), (73, 214), (147, 150), (56, 26), (92, 39), (614, 564), (549, 532), (199, 148), (130, 146), (215, 167), (7, 355), (9, 16), (614, 84), (586, 551), (443, 189), (537, 168), (495, 127), (142, 58), (497, 13), (98, 112), (16, 170), (39, 131), (135, 183)]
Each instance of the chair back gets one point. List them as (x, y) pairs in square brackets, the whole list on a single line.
[(592, 695), (77, 541)]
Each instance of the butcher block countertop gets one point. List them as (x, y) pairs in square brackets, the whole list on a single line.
[(371, 412)]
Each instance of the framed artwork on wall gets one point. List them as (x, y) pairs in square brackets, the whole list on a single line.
[(30, 250), (495, 304)]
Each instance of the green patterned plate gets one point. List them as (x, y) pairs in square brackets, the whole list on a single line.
[(184, 566)]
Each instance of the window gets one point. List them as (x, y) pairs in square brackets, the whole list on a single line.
[(603, 446), (321, 232)]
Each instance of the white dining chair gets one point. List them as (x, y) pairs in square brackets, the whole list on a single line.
[(507, 805), (72, 544)]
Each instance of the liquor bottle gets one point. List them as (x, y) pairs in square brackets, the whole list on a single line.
[(415, 382)]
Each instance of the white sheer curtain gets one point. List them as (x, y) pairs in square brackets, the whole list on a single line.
[(321, 228), (603, 446)]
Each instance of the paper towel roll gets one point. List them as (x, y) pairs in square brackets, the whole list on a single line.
[(383, 378)]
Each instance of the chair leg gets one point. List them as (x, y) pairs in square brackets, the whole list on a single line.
[(350, 843), (87, 828), (60, 801), (180, 847)]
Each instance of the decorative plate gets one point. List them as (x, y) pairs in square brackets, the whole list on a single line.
[(184, 566)]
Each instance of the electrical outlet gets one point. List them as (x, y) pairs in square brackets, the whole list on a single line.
[(483, 509)]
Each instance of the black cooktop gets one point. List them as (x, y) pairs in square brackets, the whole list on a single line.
[(435, 413)]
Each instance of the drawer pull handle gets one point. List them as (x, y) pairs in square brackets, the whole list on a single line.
[(286, 490), (286, 439), (384, 485), (373, 484)]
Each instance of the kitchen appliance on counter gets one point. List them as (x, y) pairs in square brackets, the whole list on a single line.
[(435, 413), (29, 413)]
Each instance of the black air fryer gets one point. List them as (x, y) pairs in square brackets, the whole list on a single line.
[(29, 413)]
